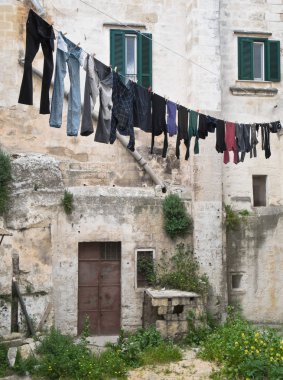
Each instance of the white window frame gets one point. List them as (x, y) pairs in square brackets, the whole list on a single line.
[(132, 76), (262, 60), (136, 264)]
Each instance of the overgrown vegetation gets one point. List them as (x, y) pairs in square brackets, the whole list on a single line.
[(177, 222), (68, 202), (146, 268), (181, 272), (234, 218), (58, 357), (5, 179), (243, 351), (3, 360), (199, 330)]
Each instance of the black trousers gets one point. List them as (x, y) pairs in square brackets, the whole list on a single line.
[(38, 31)]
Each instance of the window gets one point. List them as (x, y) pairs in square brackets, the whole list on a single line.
[(259, 190), (131, 53), (236, 281), (145, 267), (259, 59)]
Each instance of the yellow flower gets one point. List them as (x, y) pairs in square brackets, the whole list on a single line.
[(246, 352), (257, 351), (277, 354), (243, 335), (236, 344), (252, 348)]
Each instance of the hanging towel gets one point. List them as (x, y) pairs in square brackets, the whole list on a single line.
[(171, 118), (158, 121), (230, 140), (182, 131)]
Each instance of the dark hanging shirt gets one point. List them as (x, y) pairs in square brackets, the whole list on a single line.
[(220, 136), (122, 112), (142, 108), (158, 121)]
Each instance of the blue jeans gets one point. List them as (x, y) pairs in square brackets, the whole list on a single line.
[(67, 54)]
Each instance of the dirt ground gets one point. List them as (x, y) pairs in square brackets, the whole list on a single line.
[(190, 368)]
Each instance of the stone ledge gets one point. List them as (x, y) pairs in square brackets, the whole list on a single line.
[(253, 33), (253, 91)]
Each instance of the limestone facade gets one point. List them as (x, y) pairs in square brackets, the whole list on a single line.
[(115, 200)]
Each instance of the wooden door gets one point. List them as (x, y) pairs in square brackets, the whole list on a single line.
[(99, 287)]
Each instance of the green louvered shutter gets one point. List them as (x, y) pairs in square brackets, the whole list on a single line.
[(245, 56), (117, 50), (273, 61), (145, 59)]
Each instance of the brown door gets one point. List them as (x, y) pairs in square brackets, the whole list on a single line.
[(99, 293)]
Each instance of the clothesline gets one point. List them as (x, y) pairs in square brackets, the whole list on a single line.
[(144, 35), (117, 106)]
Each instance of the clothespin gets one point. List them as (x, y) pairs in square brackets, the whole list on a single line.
[(115, 69), (77, 45), (149, 89), (64, 34)]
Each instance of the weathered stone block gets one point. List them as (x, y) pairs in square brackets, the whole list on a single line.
[(161, 326), (162, 310)]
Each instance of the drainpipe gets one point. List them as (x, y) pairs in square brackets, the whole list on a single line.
[(38, 7), (140, 160)]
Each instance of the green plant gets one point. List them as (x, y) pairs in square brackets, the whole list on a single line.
[(164, 353), (234, 219), (146, 268), (68, 202), (3, 360), (5, 179), (199, 330), (177, 222), (244, 351), (86, 328), (182, 272)]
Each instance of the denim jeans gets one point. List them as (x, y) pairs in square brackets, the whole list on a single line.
[(38, 32), (67, 54)]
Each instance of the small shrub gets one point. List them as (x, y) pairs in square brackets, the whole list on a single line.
[(146, 268), (234, 219), (68, 202), (5, 179), (164, 353), (177, 222), (182, 272)]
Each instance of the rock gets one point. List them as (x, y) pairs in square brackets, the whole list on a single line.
[(12, 354), (25, 351)]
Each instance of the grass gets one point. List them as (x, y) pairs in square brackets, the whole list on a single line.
[(3, 360), (59, 357)]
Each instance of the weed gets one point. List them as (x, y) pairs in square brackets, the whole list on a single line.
[(177, 222), (164, 353), (234, 219), (244, 351), (3, 360), (182, 272), (5, 179), (68, 202)]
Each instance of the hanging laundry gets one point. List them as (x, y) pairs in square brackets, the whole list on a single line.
[(206, 124), (67, 54), (230, 140), (275, 126), (171, 118), (243, 140), (182, 131), (90, 94), (265, 139), (159, 121), (254, 141), (123, 111), (220, 136), (142, 108), (38, 32), (193, 131), (105, 76)]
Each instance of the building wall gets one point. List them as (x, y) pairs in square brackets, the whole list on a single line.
[(255, 251)]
